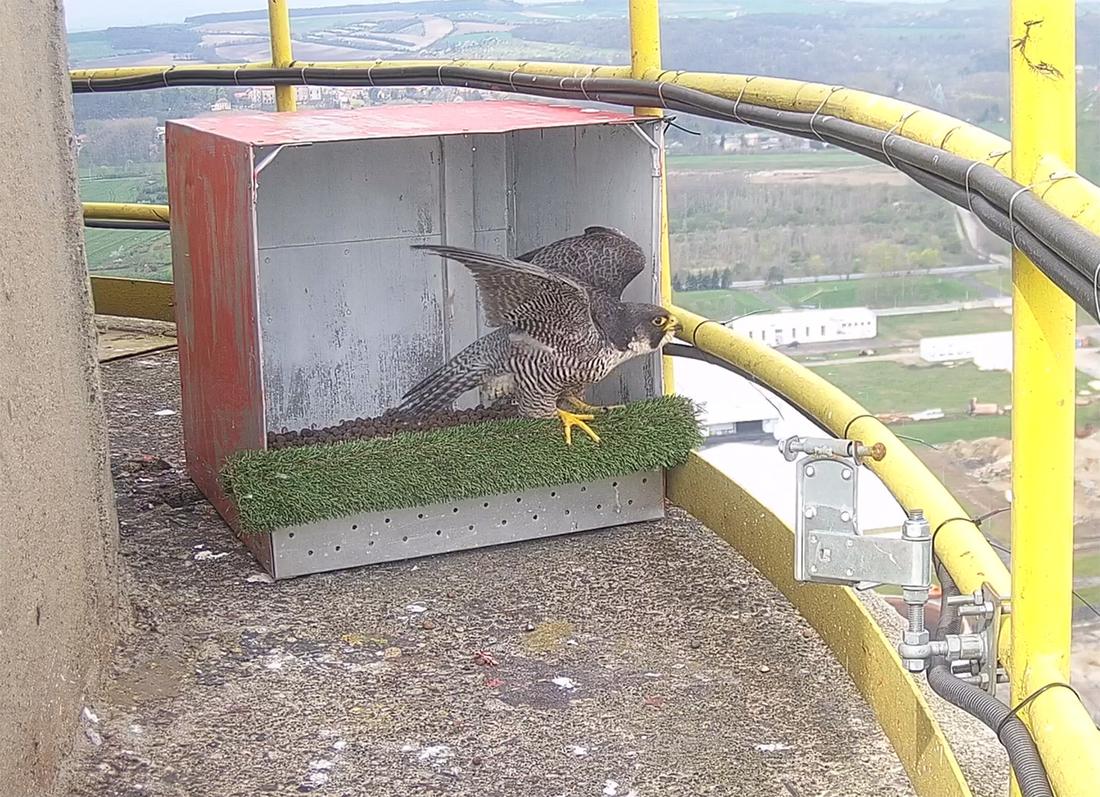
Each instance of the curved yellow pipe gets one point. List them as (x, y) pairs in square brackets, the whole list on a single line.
[(531, 67), (1065, 734), (1050, 178)]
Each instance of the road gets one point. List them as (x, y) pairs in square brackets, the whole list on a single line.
[(947, 307), (976, 268)]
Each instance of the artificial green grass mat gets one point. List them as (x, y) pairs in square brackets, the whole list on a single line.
[(292, 486)]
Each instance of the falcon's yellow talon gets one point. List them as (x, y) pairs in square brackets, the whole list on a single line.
[(569, 420)]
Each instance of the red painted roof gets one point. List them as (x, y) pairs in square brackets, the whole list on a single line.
[(397, 121)]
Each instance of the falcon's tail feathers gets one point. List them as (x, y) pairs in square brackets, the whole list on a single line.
[(465, 371)]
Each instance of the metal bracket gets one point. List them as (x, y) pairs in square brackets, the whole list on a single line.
[(830, 548)]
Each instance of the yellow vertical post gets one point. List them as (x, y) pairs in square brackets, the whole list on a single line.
[(1043, 391), (645, 62), (278, 16)]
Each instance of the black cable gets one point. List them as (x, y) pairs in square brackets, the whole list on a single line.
[(1023, 754), (1068, 253), (848, 426), (125, 224), (1014, 711)]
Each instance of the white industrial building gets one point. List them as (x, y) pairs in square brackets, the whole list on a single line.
[(733, 408), (808, 326), (990, 351)]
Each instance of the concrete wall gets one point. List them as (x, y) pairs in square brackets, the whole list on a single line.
[(58, 535)]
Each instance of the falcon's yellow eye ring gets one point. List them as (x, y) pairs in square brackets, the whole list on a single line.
[(660, 321)]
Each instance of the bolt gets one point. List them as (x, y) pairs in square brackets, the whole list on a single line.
[(813, 568), (848, 572), (846, 474), (810, 471), (849, 543), (809, 512), (813, 538), (845, 516), (916, 617), (915, 526)]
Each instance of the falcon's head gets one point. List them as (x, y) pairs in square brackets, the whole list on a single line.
[(651, 327)]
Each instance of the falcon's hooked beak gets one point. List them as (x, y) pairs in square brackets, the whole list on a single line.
[(672, 325)]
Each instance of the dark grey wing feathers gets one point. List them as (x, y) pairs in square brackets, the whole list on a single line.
[(602, 258), (519, 293)]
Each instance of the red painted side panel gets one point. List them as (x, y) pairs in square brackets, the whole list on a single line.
[(213, 257), (399, 121)]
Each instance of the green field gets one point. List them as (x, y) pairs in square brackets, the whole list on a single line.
[(720, 304), (876, 292), (124, 253), (820, 159), (885, 386), (949, 430), (87, 46), (1086, 565), (871, 292), (302, 25), (960, 322)]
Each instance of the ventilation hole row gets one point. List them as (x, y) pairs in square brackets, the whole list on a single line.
[(485, 505)]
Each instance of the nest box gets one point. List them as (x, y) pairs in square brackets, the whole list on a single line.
[(300, 303)]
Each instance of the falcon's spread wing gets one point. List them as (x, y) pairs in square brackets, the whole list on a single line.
[(601, 258), (524, 295)]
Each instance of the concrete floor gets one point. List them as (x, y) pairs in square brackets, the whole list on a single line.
[(639, 661)]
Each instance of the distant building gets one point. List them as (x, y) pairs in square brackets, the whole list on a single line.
[(989, 351), (809, 326), (733, 408)]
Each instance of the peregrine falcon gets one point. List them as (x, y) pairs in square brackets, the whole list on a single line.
[(561, 327)]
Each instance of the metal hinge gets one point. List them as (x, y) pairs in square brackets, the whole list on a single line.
[(830, 548)]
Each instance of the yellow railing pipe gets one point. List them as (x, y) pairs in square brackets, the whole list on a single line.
[(555, 68), (129, 211), (1073, 196), (1042, 72), (278, 15), (960, 545), (1065, 734), (645, 58)]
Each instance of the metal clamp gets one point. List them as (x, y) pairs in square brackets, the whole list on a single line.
[(830, 548)]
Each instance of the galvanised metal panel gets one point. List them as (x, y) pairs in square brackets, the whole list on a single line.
[(564, 179), (460, 327), (345, 328), (348, 191), (373, 537)]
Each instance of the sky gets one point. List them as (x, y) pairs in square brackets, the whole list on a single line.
[(99, 14)]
